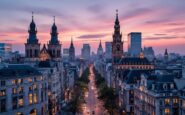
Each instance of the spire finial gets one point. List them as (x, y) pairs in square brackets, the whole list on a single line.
[(116, 12), (54, 19), (32, 15)]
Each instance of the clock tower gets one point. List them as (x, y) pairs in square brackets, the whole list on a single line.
[(117, 44)]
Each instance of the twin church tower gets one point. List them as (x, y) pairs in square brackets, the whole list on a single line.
[(32, 46)]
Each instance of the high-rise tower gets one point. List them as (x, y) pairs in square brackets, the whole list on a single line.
[(117, 44), (32, 46), (54, 46), (71, 51)]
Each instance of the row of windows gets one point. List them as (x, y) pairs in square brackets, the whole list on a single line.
[(20, 81), (167, 101), (18, 101)]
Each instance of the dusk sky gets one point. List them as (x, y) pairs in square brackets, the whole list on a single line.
[(162, 22)]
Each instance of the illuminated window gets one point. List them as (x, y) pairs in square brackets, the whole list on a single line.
[(175, 101), (20, 81), (30, 80), (167, 101), (183, 103), (14, 82), (30, 98), (167, 111), (35, 98), (30, 88), (14, 90), (19, 113), (2, 93), (21, 101), (34, 86)]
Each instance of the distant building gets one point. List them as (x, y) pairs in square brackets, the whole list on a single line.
[(71, 51), (23, 91), (134, 44), (5, 51), (166, 56), (149, 53), (85, 52), (100, 51), (65, 53), (108, 50)]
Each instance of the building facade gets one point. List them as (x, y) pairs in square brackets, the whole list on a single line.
[(5, 51), (134, 44), (108, 50), (86, 51), (23, 91)]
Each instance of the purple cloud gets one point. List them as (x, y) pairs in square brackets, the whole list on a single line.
[(88, 36)]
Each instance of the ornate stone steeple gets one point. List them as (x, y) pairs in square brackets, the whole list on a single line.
[(54, 46), (32, 39), (117, 44), (54, 34), (32, 47)]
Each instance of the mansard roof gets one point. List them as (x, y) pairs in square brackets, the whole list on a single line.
[(131, 76), (18, 71)]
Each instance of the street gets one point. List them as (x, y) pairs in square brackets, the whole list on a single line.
[(94, 105)]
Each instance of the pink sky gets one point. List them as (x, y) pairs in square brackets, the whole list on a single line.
[(161, 22)]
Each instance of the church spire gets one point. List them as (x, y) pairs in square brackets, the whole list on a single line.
[(100, 45), (71, 45), (54, 33), (32, 31), (117, 25)]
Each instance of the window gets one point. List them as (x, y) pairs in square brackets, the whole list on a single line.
[(14, 90), (183, 103), (14, 82), (2, 92), (30, 88), (35, 98), (30, 98), (2, 105), (167, 111), (20, 81), (19, 113), (21, 101), (14, 104), (21, 89), (30, 80), (3, 83), (175, 101), (167, 101), (35, 87)]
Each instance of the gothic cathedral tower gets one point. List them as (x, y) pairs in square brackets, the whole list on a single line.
[(32, 47), (117, 44), (54, 46)]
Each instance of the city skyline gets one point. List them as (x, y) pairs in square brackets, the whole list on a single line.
[(96, 23)]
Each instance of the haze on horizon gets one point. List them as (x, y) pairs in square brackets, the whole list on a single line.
[(161, 22)]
